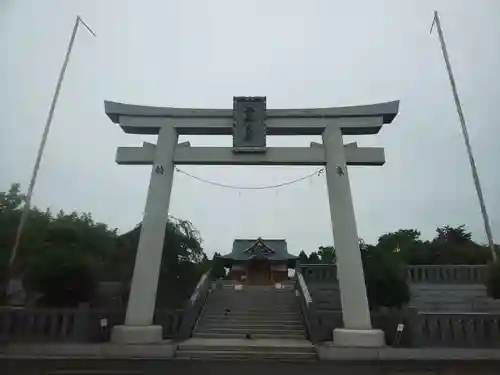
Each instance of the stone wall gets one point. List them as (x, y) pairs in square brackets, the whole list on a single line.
[(452, 297), (433, 288)]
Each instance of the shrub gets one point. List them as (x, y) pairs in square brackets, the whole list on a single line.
[(63, 277), (385, 279), (493, 280)]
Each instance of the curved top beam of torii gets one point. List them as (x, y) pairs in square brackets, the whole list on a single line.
[(353, 120)]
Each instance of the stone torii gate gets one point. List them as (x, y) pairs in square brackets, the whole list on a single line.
[(249, 122)]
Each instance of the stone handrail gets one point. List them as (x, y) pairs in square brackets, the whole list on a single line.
[(303, 288), (199, 287), (306, 304), (194, 306)]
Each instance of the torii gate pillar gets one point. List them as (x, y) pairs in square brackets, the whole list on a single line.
[(249, 126), (138, 326), (357, 329)]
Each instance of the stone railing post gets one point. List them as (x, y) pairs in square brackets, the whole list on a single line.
[(81, 325)]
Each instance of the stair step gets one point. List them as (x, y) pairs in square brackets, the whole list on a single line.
[(271, 312), (249, 310), (250, 307), (258, 304), (240, 325), (251, 319), (254, 306), (262, 312), (256, 296), (233, 302), (244, 355), (300, 346), (239, 322), (254, 329), (244, 323), (255, 336), (263, 292)]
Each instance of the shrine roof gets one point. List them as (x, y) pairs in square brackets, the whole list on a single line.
[(271, 249)]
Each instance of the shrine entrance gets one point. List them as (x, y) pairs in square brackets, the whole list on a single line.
[(249, 122)]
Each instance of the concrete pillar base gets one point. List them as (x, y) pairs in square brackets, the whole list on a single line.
[(363, 338), (137, 334)]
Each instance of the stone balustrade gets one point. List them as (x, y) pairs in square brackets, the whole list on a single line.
[(72, 324), (38, 324), (470, 330), (319, 272), (447, 274), (435, 274)]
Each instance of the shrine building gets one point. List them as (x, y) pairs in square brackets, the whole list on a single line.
[(259, 262)]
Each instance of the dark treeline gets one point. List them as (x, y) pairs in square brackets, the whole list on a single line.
[(64, 256)]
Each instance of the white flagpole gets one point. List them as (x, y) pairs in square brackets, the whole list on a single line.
[(465, 133), (14, 285)]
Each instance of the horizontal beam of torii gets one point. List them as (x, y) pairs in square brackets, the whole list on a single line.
[(353, 120), (314, 155)]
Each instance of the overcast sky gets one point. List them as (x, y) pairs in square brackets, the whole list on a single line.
[(297, 53)]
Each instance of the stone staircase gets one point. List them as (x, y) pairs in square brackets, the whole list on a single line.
[(286, 350), (256, 322)]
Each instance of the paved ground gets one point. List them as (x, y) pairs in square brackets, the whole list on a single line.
[(106, 359), (167, 349), (164, 367)]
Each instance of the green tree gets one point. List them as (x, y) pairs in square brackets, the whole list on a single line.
[(62, 277), (182, 262), (454, 245), (303, 259), (218, 269), (63, 255), (408, 246), (385, 279), (401, 239), (10, 214), (65, 267), (451, 235), (12, 199), (314, 258)]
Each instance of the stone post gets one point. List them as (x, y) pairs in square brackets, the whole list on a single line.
[(357, 329), (81, 325), (139, 326)]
